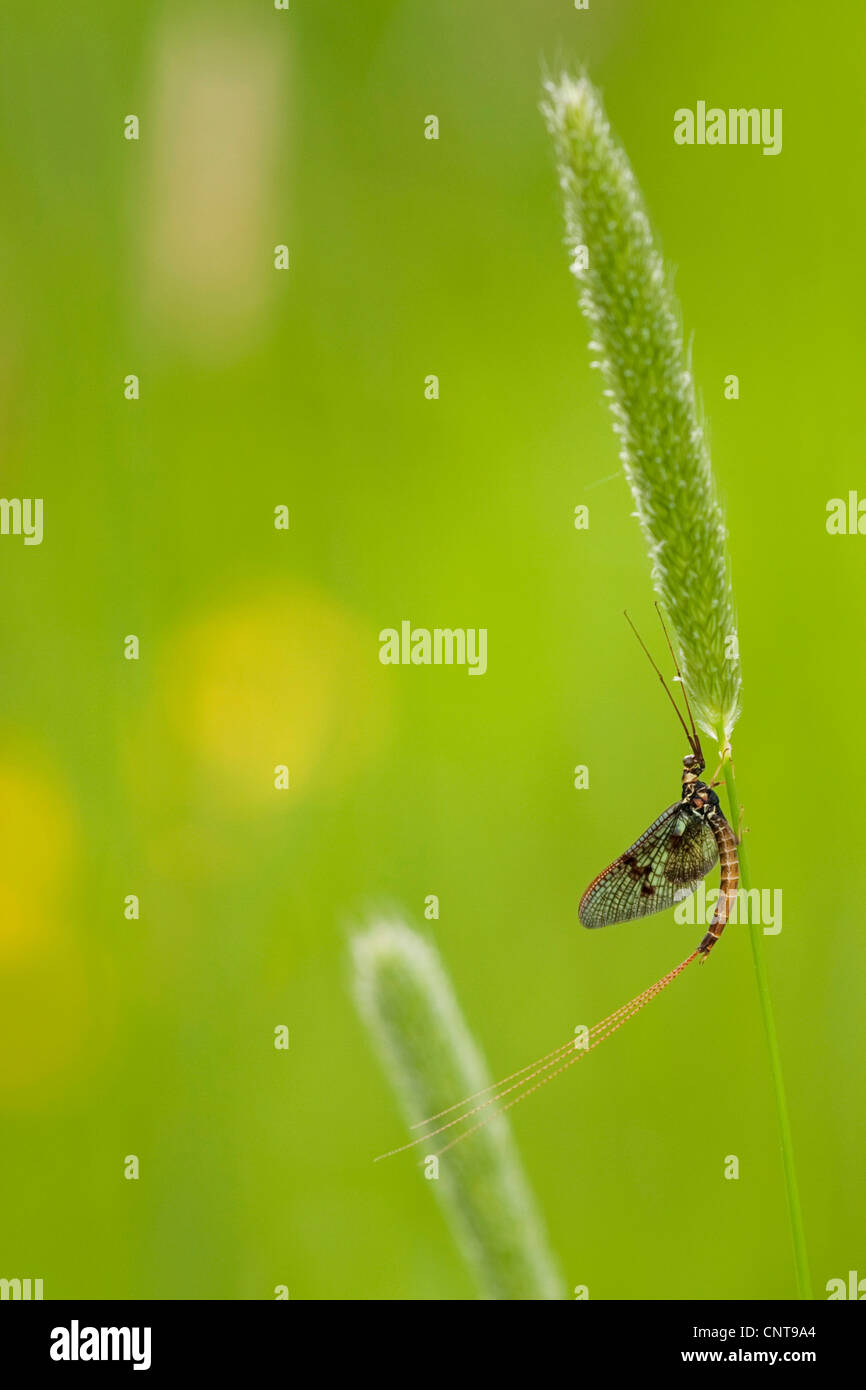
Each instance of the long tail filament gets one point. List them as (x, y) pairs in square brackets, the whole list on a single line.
[(553, 1063)]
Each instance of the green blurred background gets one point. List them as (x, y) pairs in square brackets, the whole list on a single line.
[(259, 647)]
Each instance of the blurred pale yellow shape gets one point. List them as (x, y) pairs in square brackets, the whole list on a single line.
[(36, 838), (205, 206), (43, 984), (280, 678)]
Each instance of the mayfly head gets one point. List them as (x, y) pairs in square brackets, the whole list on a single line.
[(693, 766)]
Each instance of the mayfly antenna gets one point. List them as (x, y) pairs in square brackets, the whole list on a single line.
[(696, 743), (692, 737)]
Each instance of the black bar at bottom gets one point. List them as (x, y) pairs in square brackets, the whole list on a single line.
[(216, 1339)]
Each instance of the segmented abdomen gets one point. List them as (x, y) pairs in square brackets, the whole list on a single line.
[(729, 882)]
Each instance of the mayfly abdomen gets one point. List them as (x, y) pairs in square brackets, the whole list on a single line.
[(730, 877)]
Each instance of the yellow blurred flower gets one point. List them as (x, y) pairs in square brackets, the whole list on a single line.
[(43, 983), (283, 678)]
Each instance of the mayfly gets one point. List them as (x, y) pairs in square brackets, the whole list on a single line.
[(677, 851), (666, 864)]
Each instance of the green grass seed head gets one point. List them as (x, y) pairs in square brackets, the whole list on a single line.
[(637, 343)]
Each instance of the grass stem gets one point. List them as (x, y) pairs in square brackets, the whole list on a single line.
[(798, 1235)]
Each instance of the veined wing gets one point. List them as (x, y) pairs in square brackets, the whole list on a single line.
[(662, 867)]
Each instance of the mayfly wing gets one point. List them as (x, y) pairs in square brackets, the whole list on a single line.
[(666, 864)]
